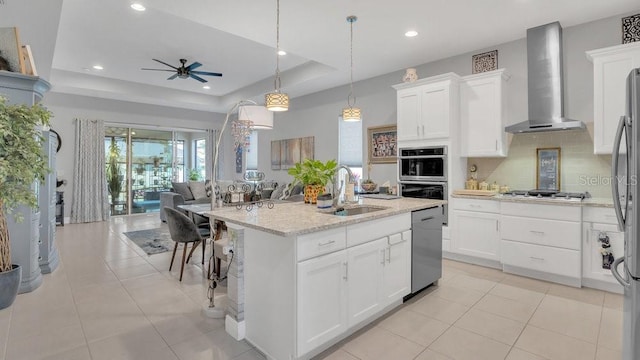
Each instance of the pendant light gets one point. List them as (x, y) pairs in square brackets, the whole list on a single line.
[(351, 113), (276, 100)]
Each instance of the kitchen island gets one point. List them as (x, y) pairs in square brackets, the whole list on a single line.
[(302, 278)]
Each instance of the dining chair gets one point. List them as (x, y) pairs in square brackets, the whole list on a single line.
[(182, 230)]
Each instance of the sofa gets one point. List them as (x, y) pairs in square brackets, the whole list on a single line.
[(185, 193)]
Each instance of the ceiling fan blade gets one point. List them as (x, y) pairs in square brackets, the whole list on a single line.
[(172, 76), (195, 65), (158, 69), (206, 73), (198, 78), (164, 63)]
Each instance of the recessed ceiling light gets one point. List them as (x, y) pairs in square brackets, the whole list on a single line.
[(138, 7), (282, 53), (206, 87), (411, 33), (98, 67)]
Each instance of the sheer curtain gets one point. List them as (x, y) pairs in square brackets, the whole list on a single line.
[(90, 200)]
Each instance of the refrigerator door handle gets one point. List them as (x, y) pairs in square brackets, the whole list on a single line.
[(614, 271), (614, 173)]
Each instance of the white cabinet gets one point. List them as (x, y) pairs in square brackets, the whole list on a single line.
[(476, 229), (427, 107), (483, 111), (611, 66), (364, 276), (600, 224), (322, 300), (542, 241), (348, 275), (396, 276)]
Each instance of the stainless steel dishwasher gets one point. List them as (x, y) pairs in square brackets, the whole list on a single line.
[(426, 247)]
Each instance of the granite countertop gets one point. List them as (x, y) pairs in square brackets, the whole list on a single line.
[(594, 202), (296, 218)]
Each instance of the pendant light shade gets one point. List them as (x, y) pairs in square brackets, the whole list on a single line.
[(259, 116), (276, 100), (351, 113)]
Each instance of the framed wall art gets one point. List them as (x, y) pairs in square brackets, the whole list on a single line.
[(383, 144), (11, 50), (548, 169), (275, 155), (631, 29)]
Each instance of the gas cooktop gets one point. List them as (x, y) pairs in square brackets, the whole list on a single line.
[(548, 195)]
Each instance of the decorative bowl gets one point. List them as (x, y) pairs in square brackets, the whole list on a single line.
[(368, 187)]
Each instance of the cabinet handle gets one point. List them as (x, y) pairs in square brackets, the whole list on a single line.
[(327, 243), (346, 271), (475, 206), (540, 233), (536, 258), (388, 254), (418, 130), (496, 145), (422, 130), (382, 252), (497, 225)]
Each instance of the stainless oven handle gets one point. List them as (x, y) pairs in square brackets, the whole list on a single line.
[(423, 157)]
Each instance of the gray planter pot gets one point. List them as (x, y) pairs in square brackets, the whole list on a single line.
[(9, 283)]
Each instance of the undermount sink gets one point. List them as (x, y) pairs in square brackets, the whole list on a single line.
[(356, 210)]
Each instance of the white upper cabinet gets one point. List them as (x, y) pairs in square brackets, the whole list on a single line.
[(611, 66), (427, 107), (483, 110)]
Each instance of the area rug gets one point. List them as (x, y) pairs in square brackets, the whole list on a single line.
[(152, 241)]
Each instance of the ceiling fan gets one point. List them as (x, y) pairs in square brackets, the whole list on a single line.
[(185, 72)]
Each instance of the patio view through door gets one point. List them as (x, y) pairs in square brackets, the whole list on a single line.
[(141, 163)]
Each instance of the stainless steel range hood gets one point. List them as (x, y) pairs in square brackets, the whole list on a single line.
[(545, 83)]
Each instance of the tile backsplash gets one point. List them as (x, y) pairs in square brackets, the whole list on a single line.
[(580, 169)]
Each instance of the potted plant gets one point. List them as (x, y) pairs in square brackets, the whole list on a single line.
[(114, 174), (194, 174), (314, 175), (22, 161)]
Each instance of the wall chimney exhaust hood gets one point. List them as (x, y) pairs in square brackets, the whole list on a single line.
[(545, 83)]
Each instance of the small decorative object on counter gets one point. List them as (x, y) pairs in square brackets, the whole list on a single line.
[(494, 187), (483, 185), (471, 184), (324, 201), (504, 189), (410, 76), (368, 185)]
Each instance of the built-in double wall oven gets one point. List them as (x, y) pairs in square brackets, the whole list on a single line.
[(423, 173)]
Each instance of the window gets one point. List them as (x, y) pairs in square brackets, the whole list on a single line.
[(252, 151), (199, 160), (350, 145)]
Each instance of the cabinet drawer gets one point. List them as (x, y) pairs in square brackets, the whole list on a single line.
[(322, 242), (490, 206), (541, 258), (372, 230), (600, 215), (543, 211), (562, 234)]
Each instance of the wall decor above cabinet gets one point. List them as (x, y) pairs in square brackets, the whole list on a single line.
[(487, 61), (631, 28)]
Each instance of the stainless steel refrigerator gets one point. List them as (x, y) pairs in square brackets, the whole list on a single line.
[(626, 191)]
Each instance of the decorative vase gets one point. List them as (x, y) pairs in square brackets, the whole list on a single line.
[(9, 283), (410, 76), (311, 193)]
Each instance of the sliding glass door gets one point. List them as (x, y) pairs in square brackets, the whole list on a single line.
[(141, 164)]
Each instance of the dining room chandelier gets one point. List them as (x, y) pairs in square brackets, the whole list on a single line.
[(277, 100), (351, 113)]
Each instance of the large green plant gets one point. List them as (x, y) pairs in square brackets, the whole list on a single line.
[(22, 161), (313, 172), (114, 174)]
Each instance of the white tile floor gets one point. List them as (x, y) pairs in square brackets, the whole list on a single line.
[(109, 300)]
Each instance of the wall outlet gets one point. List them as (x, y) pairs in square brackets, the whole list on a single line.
[(227, 249)]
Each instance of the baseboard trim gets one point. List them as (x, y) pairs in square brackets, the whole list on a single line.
[(472, 260), (539, 275), (234, 328)]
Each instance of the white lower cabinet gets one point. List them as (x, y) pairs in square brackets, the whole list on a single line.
[(322, 300), (364, 279), (543, 241), (477, 228), (599, 227), (342, 289)]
